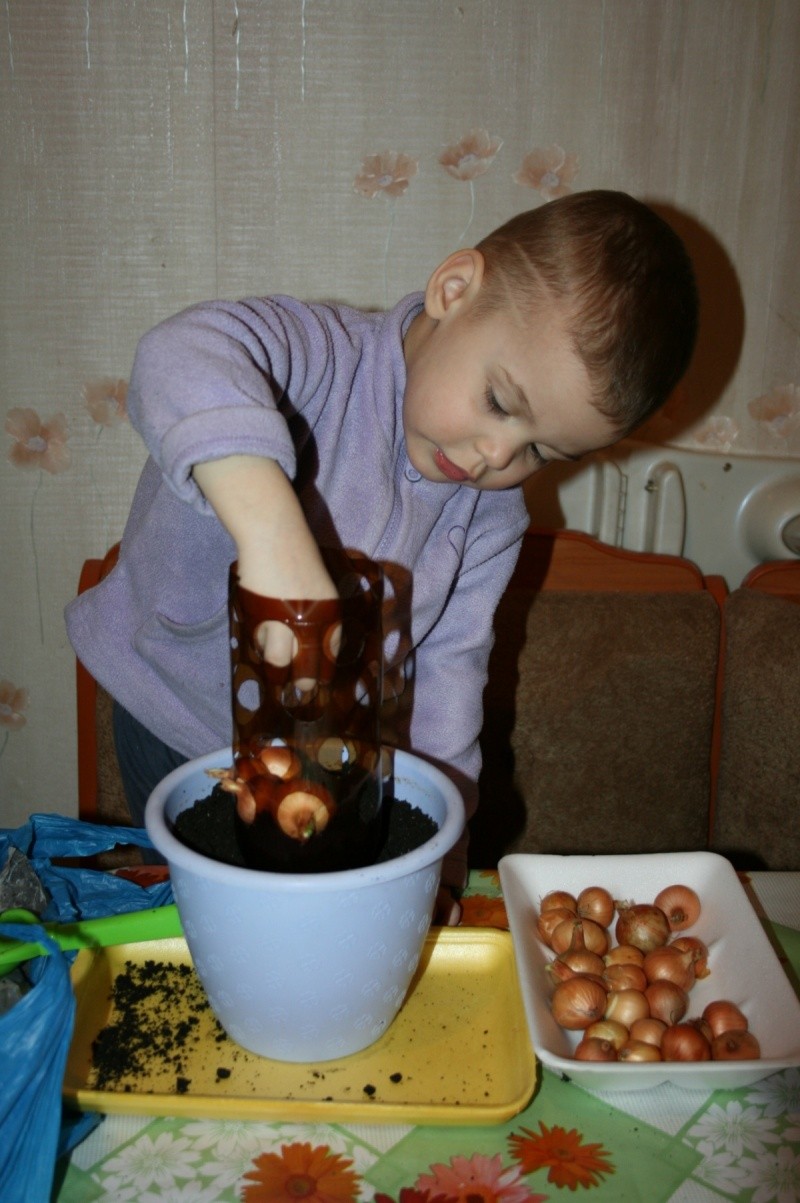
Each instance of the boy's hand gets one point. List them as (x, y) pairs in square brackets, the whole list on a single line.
[(277, 554)]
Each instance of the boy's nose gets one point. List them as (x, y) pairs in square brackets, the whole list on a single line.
[(497, 451)]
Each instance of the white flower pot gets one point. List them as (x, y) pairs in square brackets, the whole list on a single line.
[(306, 967)]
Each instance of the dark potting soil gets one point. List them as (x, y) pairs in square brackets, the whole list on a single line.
[(161, 1037), (144, 1036), (209, 827)]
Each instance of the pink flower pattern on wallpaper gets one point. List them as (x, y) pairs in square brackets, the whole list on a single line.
[(472, 156), (468, 159), (478, 1177), (717, 433), (12, 703), (549, 170), (386, 174), (778, 414), (38, 444), (43, 446), (106, 400)]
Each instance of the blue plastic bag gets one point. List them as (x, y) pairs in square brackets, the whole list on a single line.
[(34, 1041), (75, 892), (35, 1034)]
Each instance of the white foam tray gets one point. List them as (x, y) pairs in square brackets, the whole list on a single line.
[(744, 967)]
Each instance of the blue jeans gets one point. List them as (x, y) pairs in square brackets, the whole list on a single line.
[(144, 760)]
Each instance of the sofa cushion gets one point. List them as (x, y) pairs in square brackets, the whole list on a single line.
[(598, 720), (756, 818)]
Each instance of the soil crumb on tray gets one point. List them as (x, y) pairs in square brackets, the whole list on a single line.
[(141, 1039), (209, 827)]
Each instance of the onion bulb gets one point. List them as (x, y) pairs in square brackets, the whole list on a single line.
[(578, 934), (701, 1025), (548, 921), (581, 960), (680, 904), (626, 1006), (577, 1003), (683, 1042), (559, 970), (737, 1045), (624, 977), (558, 898), (608, 1029), (724, 1016), (699, 952), (649, 1030), (593, 1049), (596, 903), (640, 924), (594, 936), (624, 954), (671, 965), (563, 936), (639, 1050), (667, 1001), (562, 968)]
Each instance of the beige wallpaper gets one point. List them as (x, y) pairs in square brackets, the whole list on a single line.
[(156, 152)]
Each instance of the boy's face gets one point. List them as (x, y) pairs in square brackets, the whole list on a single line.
[(491, 399)]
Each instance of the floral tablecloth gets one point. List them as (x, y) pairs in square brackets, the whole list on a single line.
[(645, 1147)]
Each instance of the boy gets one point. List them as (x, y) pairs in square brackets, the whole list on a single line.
[(276, 427)]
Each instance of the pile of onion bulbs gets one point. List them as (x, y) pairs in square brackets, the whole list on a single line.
[(629, 994)]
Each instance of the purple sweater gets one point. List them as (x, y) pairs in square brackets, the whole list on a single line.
[(318, 388)]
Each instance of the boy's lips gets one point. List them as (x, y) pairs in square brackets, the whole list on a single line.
[(448, 468)]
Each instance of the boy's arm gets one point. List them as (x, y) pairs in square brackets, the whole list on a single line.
[(277, 554), (256, 503)]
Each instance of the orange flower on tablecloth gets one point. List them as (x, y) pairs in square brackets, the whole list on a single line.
[(301, 1174), (106, 400), (388, 173), (38, 444), (12, 702), (478, 1179), (479, 910), (571, 1162), (472, 156), (550, 170)]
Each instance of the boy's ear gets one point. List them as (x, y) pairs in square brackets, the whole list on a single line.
[(454, 281)]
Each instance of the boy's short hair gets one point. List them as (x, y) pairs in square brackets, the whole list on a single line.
[(628, 285)]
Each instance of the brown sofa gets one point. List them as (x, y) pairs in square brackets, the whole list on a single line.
[(633, 705)]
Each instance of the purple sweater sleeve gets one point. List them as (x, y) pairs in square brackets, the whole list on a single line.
[(208, 383)]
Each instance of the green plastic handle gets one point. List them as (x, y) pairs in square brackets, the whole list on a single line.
[(157, 923)]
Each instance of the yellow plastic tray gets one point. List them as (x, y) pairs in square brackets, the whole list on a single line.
[(458, 1051)]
